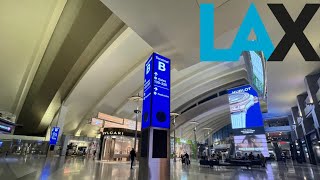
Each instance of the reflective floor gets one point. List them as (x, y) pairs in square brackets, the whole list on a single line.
[(31, 168)]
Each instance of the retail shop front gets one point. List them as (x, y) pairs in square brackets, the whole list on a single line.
[(7, 123), (183, 146), (79, 146), (117, 144)]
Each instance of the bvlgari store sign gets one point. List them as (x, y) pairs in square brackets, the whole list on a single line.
[(113, 133), (119, 132)]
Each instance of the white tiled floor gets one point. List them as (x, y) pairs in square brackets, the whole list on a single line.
[(32, 168)]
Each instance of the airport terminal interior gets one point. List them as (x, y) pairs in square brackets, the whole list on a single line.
[(129, 90)]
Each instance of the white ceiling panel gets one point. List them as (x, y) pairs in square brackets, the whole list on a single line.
[(26, 27), (107, 73)]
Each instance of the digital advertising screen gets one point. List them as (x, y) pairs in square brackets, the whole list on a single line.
[(252, 143), (245, 108), (257, 71)]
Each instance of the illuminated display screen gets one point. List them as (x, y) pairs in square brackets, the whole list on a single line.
[(5, 128), (244, 108), (252, 143), (107, 117), (54, 135), (96, 122), (126, 124), (156, 92), (114, 122), (246, 120), (258, 71)]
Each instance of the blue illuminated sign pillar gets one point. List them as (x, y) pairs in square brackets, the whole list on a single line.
[(54, 135), (155, 137), (156, 96)]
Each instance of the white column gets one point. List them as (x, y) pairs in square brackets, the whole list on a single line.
[(58, 121), (61, 117)]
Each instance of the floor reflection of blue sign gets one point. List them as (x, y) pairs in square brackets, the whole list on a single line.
[(156, 103), (54, 135)]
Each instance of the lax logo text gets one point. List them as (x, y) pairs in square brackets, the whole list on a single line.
[(293, 34)]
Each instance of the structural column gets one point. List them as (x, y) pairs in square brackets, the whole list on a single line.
[(154, 162), (137, 99), (195, 142), (301, 106), (209, 140), (174, 115), (312, 85), (58, 122), (306, 126)]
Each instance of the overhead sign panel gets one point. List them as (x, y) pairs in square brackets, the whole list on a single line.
[(110, 118), (156, 96)]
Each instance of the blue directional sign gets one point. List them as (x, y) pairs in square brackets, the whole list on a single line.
[(156, 96), (146, 111), (54, 135)]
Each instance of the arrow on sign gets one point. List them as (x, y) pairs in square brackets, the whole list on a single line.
[(156, 89), (156, 74)]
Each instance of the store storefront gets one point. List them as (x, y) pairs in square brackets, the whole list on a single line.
[(23, 145), (79, 146), (183, 146), (7, 123), (117, 144)]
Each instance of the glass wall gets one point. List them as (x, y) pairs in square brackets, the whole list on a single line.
[(117, 148), (17, 147), (222, 134), (276, 122)]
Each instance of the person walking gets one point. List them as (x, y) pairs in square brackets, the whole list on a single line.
[(187, 160), (263, 160), (94, 154), (284, 158), (132, 156)]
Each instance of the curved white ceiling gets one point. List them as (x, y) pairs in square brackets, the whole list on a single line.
[(172, 29), (105, 88), (100, 84), (26, 28), (178, 28)]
